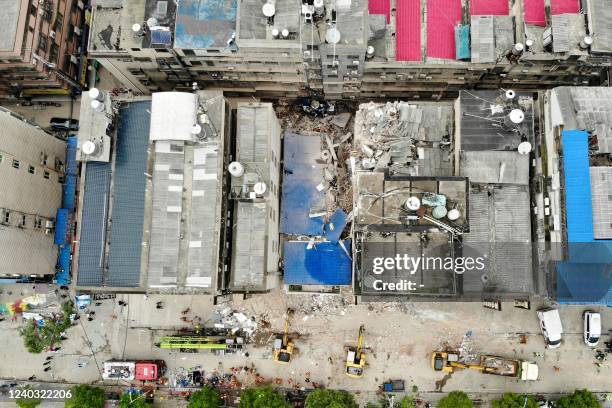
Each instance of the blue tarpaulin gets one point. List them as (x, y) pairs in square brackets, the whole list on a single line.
[(325, 263), (63, 275), (586, 278), (462, 42), (335, 226), (301, 176), (71, 149), (62, 224), (68, 199)]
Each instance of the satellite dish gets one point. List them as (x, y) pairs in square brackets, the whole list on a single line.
[(275, 32), (89, 148), (510, 94), (196, 129), (285, 33), (524, 148), (412, 203), (453, 214), (260, 188), (439, 212), (97, 106), (332, 36), (95, 93), (236, 169), (517, 116), (268, 9), (136, 27), (152, 22)]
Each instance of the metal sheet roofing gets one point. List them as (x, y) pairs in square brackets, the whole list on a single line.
[(249, 249), (600, 14), (579, 283), (324, 264), (601, 194), (408, 31), (564, 6), (535, 12), (489, 7), (167, 194), (381, 7), (62, 220), (302, 173), (92, 237), (561, 32), (442, 17), (483, 39), (129, 181)]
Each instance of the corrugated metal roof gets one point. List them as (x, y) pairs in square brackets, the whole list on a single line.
[(324, 264), (579, 283), (442, 17), (535, 12), (129, 182), (303, 172), (483, 39), (495, 167), (408, 31), (166, 210), (249, 249), (601, 193), (253, 133), (564, 6), (489, 7), (92, 237), (578, 208), (381, 7), (561, 32)]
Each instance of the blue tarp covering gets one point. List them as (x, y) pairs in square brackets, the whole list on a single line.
[(62, 223), (63, 275), (301, 176), (586, 278), (324, 264), (462, 42), (129, 182), (71, 149), (68, 199), (204, 23), (339, 221)]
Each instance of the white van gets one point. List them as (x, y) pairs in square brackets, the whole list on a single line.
[(552, 330), (592, 328)]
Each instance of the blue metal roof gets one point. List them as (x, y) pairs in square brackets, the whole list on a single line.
[(63, 275), (129, 182), (301, 175), (62, 223), (584, 283), (578, 206), (93, 223), (161, 37), (335, 226), (324, 264)]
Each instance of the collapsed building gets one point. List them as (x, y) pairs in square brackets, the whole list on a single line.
[(352, 48)]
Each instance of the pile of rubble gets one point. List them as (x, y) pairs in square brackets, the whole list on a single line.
[(224, 317)]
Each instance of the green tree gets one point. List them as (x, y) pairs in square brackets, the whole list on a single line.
[(512, 400), (455, 399), (207, 397), (330, 399), (128, 400), (27, 402), (406, 402), (579, 399), (37, 339), (86, 396), (262, 397)]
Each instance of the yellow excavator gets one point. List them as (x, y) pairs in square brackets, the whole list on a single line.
[(447, 361), (355, 357), (283, 346)]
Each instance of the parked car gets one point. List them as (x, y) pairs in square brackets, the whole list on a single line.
[(552, 330), (64, 124), (592, 327)]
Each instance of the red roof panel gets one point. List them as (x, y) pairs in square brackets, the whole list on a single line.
[(535, 12), (146, 371), (442, 17), (489, 7), (380, 7), (408, 30), (564, 6)]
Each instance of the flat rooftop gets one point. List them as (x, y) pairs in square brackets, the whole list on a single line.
[(205, 23), (9, 20)]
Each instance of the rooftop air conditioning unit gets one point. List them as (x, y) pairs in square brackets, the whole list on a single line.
[(52, 34)]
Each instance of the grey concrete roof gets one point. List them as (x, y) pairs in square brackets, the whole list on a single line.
[(254, 25), (601, 193), (495, 167), (585, 108), (9, 19), (249, 249), (483, 39)]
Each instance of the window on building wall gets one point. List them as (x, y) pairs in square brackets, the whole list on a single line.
[(142, 59), (42, 42), (1, 157), (45, 158), (38, 223), (7, 216), (24, 221), (33, 10), (46, 174), (54, 54), (60, 179), (59, 22), (31, 169), (70, 32), (16, 163), (47, 12)]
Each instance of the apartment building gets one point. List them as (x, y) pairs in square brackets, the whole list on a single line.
[(31, 176), (353, 48), (41, 46)]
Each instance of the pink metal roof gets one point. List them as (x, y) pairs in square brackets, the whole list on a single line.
[(442, 17), (380, 7), (408, 30), (489, 7), (564, 6), (535, 12)]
